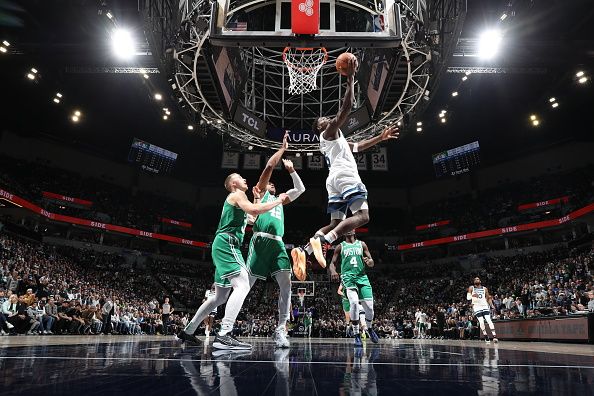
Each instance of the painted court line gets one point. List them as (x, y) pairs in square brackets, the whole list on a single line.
[(272, 361)]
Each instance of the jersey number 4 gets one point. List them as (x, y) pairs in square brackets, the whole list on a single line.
[(354, 262)]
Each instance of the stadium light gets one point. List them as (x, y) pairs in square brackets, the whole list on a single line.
[(455, 93), (579, 74), (2, 49), (443, 120), (123, 44), (419, 123), (31, 76), (56, 100), (250, 148), (33, 70), (77, 113), (165, 117), (298, 155), (503, 16), (190, 127), (555, 105), (489, 43), (58, 94), (583, 79), (419, 129), (219, 121), (74, 118), (5, 43), (464, 78), (158, 96), (109, 15), (535, 122), (467, 73), (146, 76), (533, 117), (551, 100)]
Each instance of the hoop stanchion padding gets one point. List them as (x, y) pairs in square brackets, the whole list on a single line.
[(304, 65)]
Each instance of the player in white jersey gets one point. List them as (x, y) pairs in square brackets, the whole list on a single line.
[(345, 189), (209, 321), (481, 307)]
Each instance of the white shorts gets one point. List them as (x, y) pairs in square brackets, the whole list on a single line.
[(344, 187)]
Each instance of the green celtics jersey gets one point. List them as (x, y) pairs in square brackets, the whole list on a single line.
[(233, 221), (351, 257), (273, 221)]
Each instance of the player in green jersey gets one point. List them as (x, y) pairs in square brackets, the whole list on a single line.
[(230, 268), (354, 256), (267, 255)]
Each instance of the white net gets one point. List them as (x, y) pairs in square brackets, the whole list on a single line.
[(304, 65)]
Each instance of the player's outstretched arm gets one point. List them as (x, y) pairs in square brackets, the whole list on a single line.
[(387, 134), (331, 131), (298, 187), (272, 161), (239, 198), (332, 267), (367, 255)]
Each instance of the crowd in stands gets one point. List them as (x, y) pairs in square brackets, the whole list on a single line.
[(46, 289)]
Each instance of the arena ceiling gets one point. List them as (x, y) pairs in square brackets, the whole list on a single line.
[(545, 44)]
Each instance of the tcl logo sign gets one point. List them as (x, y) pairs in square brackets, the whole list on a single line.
[(251, 121)]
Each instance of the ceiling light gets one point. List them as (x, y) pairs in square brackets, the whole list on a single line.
[(551, 100), (419, 123), (219, 121), (503, 16), (298, 155), (168, 112), (31, 76), (158, 96), (467, 73), (309, 154), (109, 15), (6, 43), (165, 117), (399, 123), (419, 129), (2, 49), (56, 100), (58, 94), (532, 117), (535, 122), (583, 80), (250, 148), (190, 127), (555, 105), (464, 78), (145, 76), (489, 43), (123, 44), (77, 113), (455, 93), (579, 74), (443, 120), (74, 118), (33, 70)]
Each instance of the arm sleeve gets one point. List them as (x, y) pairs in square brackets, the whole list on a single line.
[(469, 296), (298, 187)]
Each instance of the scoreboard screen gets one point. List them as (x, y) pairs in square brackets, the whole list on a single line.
[(457, 160), (151, 158)]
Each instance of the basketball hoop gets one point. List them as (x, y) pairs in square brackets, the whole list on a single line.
[(301, 295), (304, 65)]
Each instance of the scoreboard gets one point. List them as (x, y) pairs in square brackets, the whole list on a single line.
[(457, 160), (151, 158)]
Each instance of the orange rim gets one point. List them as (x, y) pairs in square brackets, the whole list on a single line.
[(303, 49)]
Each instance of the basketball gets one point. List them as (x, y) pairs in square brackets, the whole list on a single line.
[(342, 63)]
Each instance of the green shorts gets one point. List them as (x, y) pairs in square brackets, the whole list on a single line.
[(360, 283), (227, 259), (267, 257), (346, 304)]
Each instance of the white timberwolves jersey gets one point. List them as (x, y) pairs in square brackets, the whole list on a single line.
[(338, 155), (479, 303)]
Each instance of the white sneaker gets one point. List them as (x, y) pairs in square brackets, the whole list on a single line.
[(280, 339), (9, 325), (2, 333), (44, 332), (49, 332), (29, 333), (495, 340)]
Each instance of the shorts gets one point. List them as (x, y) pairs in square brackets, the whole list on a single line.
[(346, 304), (344, 188), (226, 258), (267, 257), (479, 313), (359, 283)]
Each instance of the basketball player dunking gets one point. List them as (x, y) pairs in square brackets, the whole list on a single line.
[(345, 189), (481, 307)]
